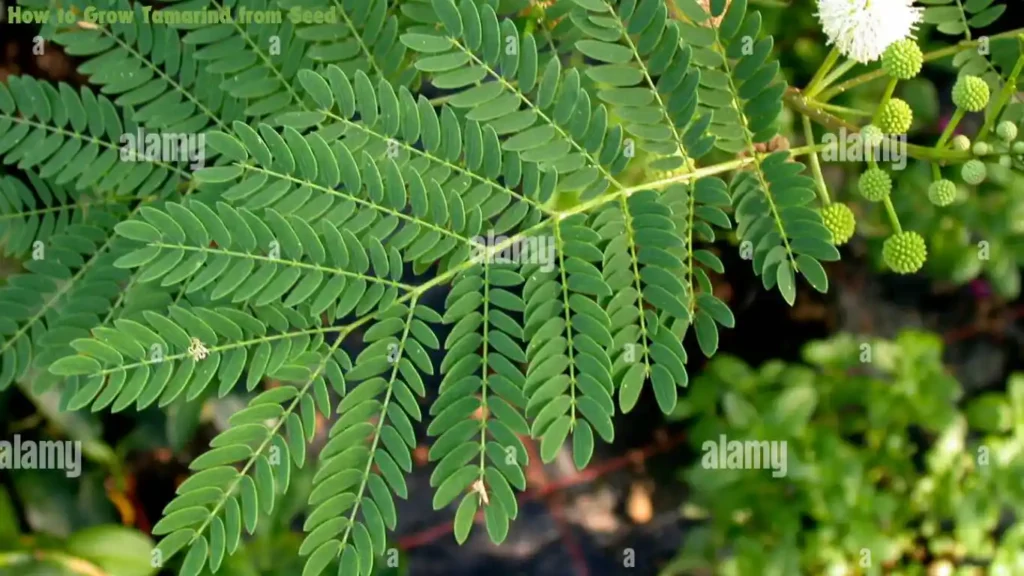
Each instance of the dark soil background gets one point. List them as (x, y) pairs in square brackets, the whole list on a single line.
[(581, 524)]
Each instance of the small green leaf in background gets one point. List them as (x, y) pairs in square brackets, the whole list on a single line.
[(991, 413), (118, 550), (739, 412), (8, 518), (793, 408)]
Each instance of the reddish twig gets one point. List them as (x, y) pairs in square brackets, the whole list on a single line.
[(586, 476), (555, 503)]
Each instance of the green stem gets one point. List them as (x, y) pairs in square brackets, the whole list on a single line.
[(815, 165), (1009, 88), (886, 96), (799, 103), (893, 218), (843, 109), (824, 69), (66, 561), (835, 75), (950, 128), (963, 19), (832, 92)]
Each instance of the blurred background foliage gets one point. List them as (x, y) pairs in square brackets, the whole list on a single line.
[(890, 471)]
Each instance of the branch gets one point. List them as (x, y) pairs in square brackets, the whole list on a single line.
[(928, 57), (796, 100)]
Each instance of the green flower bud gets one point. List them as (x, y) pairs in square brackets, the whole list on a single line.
[(942, 192), (904, 253), (903, 59), (973, 172), (875, 184), (1007, 131), (896, 117), (1018, 148), (961, 143), (981, 148), (971, 93), (1006, 161), (840, 221), (872, 135)]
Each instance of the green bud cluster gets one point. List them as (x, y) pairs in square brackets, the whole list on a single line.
[(1007, 131), (874, 184), (942, 192), (904, 253), (903, 59), (961, 143), (971, 93), (840, 221), (896, 117), (973, 172), (1003, 149)]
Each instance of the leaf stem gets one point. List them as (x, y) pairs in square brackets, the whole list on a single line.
[(836, 74), (886, 96), (842, 109), (832, 92), (1009, 88), (66, 561), (815, 165), (825, 68), (950, 128), (800, 103), (893, 218)]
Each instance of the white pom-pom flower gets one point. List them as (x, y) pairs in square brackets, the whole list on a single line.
[(863, 29)]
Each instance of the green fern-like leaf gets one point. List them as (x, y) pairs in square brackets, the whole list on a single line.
[(778, 229), (959, 18), (477, 418), (560, 185), (26, 223), (145, 66), (956, 17), (77, 138), (364, 463)]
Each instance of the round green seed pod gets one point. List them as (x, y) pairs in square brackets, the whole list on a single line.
[(1007, 131), (1006, 161), (973, 172), (839, 219), (896, 117), (971, 93), (874, 184), (942, 192), (903, 59), (961, 143), (1018, 148), (904, 253), (981, 148), (872, 135)]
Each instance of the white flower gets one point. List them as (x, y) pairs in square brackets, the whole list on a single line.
[(197, 350), (479, 488), (863, 29)]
